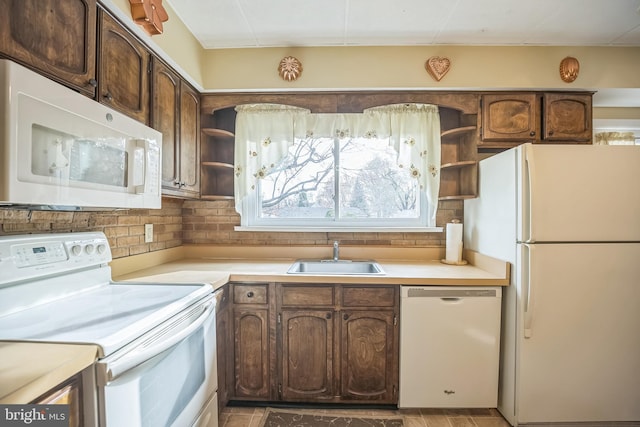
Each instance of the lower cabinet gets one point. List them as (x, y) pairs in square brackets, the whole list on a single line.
[(67, 393), (315, 343)]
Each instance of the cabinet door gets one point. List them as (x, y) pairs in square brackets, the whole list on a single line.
[(251, 355), (224, 346), (307, 354), (123, 77), (509, 117), (567, 117), (164, 118), (189, 140), (57, 37), (369, 364), (67, 393)]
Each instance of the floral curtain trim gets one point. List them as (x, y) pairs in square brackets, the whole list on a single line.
[(615, 138), (265, 132)]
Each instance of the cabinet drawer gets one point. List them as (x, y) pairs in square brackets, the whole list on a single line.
[(378, 296), (250, 294), (308, 296)]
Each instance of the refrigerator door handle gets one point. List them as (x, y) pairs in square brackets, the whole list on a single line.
[(527, 288), (529, 185)]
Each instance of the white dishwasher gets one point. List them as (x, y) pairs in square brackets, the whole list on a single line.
[(449, 346)]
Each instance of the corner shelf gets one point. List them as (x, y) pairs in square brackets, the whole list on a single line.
[(459, 157), (217, 160)]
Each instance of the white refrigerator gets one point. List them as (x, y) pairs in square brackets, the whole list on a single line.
[(567, 217)]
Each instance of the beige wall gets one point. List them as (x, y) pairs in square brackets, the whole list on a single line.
[(176, 44), (474, 67)]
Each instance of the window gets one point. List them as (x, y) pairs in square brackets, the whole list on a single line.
[(331, 172)]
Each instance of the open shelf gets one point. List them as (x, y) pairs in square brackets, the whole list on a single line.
[(221, 133), (448, 135), (217, 160), (459, 155)]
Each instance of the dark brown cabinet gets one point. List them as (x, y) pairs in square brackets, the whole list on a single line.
[(369, 365), (338, 343), (189, 141), (510, 119), (56, 37), (306, 329), (315, 343), (123, 70), (175, 113), (224, 345), (567, 117), (369, 344), (252, 341), (307, 355), (67, 393)]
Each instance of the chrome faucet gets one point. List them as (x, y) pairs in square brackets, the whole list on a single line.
[(336, 250)]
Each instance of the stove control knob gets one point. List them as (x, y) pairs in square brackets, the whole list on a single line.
[(76, 249), (102, 249), (89, 249)]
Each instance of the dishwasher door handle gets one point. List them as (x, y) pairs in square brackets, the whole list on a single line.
[(450, 299)]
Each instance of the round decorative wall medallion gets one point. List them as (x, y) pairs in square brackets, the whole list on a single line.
[(569, 69), (290, 68)]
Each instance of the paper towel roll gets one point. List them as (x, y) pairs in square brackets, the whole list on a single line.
[(454, 242)]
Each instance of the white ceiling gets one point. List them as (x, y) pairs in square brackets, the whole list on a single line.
[(273, 23), (220, 24)]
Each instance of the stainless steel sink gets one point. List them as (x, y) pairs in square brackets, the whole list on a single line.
[(340, 267)]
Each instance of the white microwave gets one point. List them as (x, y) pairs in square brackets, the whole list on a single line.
[(62, 150)]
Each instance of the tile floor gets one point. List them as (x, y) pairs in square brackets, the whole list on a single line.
[(251, 416)]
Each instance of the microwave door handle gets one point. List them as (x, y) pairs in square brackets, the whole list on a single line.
[(140, 155), (109, 370)]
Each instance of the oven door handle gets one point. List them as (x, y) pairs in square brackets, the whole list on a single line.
[(153, 343)]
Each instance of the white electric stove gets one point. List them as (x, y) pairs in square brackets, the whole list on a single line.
[(156, 361)]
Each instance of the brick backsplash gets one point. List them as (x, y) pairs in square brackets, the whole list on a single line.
[(213, 222), (123, 228), (199, 221)]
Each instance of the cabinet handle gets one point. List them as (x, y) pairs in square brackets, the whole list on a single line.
[(177, 183), (250, 294), (93, 82), (532, 133), (345, 316), (328, 316), (550, 132), (108, 96)]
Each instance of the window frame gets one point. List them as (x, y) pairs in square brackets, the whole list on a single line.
[(252, 221)]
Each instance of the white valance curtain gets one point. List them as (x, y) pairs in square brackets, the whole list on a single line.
[(615, 138), (264, 133)]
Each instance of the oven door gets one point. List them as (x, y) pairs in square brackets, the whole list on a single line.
[(163, 379)]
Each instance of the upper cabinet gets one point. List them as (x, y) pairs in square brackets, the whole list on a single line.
[(567, 117), (175, 113), (56, 37), (509, 119), (189, 141), (123, 74)]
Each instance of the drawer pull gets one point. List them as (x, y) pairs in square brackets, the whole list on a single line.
[(250, 294)]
